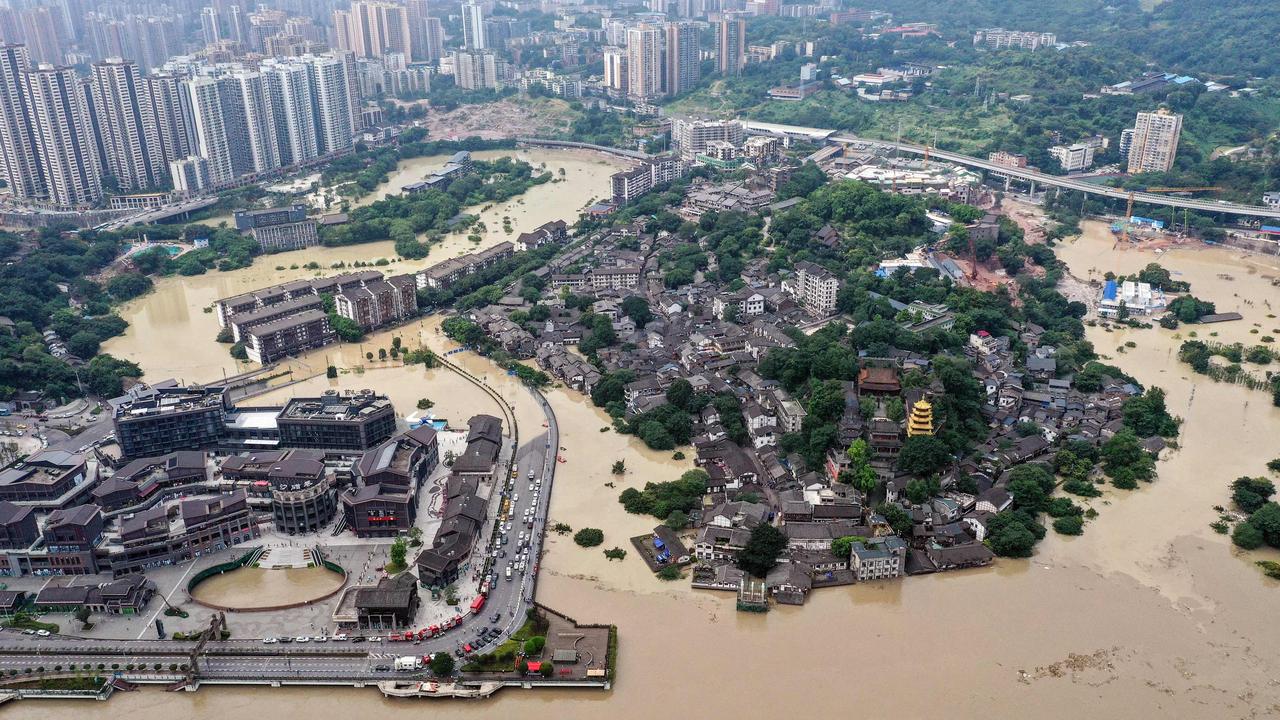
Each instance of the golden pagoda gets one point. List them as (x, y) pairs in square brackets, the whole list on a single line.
[(921, 420)]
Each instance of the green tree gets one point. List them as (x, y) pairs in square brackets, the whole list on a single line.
[(346, 329), (442, 664), (331, 372), (588, 537), (1124, 459), (898, 518), (1069, 525), (895, 410), (919, 490), (1009, 534), (924, 455), (637, 308), (1250, 494), (1267, 520), (534, 645), (841, 547), (860, 473), (619, 467), (1247, 536), (1189, 308), (680, 393), (399, 549), (761, 552), (1147, 415), (1030, 486), (677, 520), (127, 286)]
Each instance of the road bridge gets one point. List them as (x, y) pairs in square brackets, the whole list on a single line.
[(1033, 176)]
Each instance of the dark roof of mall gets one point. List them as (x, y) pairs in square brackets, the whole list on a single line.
[(354, 406), (396, 592)]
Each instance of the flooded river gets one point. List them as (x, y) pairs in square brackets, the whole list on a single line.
[(250, 587), (171, 335), (1149, 613)]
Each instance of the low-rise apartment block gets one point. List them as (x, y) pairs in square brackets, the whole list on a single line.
[(443, 275), (289, 336), (816, 288), (380, 302), (277, 229)]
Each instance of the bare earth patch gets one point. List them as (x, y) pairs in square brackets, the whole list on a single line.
[(504, 119)]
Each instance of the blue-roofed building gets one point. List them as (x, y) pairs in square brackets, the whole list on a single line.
[(1136, 298)]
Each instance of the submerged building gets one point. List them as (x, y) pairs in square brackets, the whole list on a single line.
[(1130, 298)]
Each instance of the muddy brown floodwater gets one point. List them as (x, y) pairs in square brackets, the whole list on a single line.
[(171, 335), (250, 587), (1149, 613)]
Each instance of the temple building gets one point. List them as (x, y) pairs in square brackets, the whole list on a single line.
[(921, 420)]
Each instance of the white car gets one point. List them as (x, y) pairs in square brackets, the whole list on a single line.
[(269, 641), (340, 637), (302, 639), (531, 488), (43, 633), (321, 638)]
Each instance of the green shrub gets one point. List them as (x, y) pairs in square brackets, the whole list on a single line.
[(589, 537), (1069, 525), (669, 573)]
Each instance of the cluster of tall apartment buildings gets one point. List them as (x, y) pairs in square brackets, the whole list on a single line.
[(376, 28), (187, 125), (655, 60)]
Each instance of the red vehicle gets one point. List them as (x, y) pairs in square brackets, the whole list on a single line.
[(467, 648), (434, 630), (395, 637), (478, 604)]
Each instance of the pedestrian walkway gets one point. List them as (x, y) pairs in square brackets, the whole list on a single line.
[(284, 557)]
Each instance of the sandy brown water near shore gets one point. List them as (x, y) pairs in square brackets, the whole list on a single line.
[(170, 334)]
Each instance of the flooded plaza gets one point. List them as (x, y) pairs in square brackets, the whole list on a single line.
[(1149, 613), (255, 588)]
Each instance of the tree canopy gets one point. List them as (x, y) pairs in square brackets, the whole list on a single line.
[(762, 550)]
